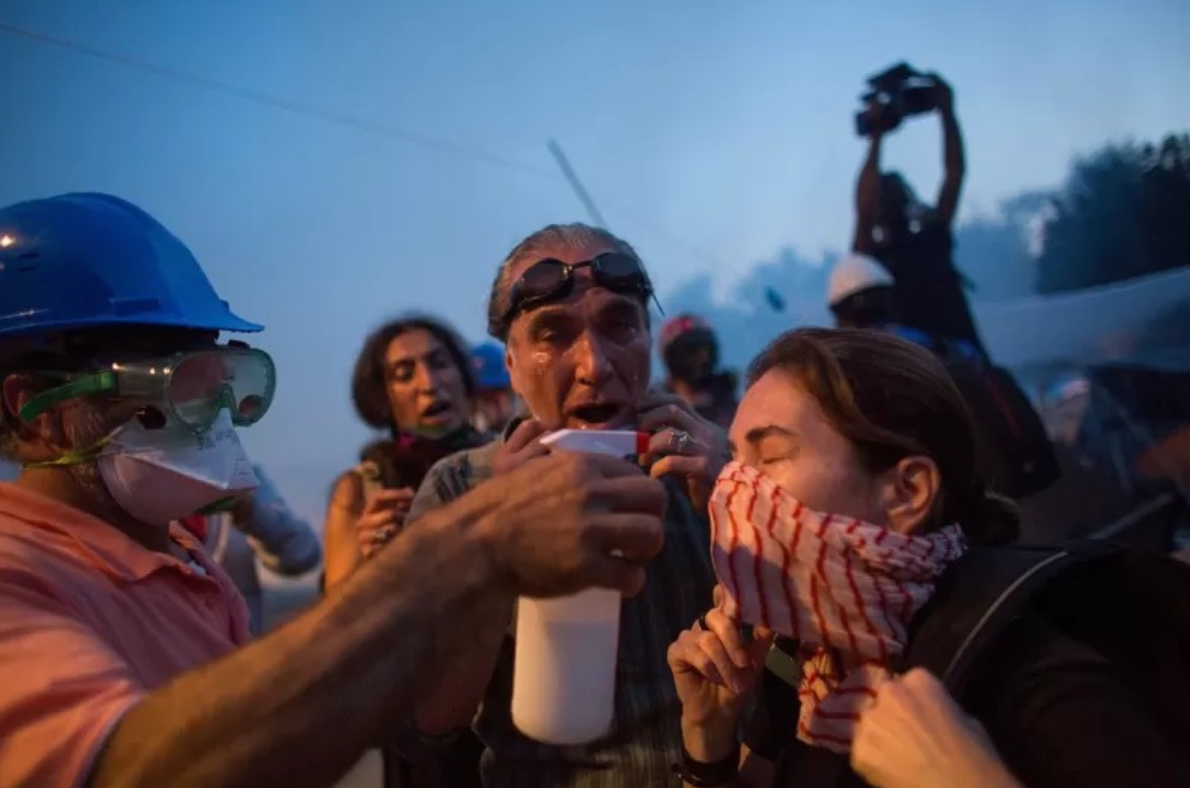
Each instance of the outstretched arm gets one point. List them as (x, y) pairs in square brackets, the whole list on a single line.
[(356, 659), (298, 707), (954, 159)]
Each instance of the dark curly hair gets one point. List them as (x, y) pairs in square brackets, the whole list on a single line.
[(368, 382)]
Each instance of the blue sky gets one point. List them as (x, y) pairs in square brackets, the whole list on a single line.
[(711, 134)]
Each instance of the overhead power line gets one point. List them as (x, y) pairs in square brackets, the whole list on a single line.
[(341, 119), (258, 97), (580, 191)]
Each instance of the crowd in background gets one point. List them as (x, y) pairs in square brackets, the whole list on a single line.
[(819, 558)]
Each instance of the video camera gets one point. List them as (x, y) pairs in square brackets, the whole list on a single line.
[(895, 94)]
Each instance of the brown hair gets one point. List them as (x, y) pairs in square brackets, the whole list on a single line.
[(892, 399), (368, 389), (546, 240)]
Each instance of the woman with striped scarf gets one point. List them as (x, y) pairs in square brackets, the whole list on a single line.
[(854, 487)]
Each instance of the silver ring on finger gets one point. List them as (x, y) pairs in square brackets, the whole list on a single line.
[(683, 441), (383, 535)]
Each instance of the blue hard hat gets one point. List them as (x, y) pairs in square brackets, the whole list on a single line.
[(488, 362), (89, 260)]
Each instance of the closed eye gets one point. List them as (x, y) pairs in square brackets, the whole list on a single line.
[(773, 441)]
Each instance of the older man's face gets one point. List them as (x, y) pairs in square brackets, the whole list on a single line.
[(582, 361)]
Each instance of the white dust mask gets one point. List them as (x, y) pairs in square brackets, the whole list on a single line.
[(158, 476)]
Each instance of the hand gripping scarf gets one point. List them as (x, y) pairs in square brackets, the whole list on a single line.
[(845, 589)]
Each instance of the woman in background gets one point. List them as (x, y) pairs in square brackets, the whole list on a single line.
[(414, 380)]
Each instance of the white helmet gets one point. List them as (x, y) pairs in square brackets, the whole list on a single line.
[(854, 273)]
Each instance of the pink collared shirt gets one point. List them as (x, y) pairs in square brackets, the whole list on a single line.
[(91, 622)]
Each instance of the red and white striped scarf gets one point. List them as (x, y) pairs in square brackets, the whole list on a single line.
[(845, 589)]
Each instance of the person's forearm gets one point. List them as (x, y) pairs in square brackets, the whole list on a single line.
[(869, 175), (954, 160), (299, 707), (340, 563), (455, 693), (867, 196), (709, 742), (341, 553), (460, 688), (712, 742)]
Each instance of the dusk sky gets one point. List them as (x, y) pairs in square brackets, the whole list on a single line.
[(711, 135)]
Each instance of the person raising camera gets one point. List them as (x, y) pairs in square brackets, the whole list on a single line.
[(900, 278), (910, 239)]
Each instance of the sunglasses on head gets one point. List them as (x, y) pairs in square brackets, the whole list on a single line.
[(550, 279)]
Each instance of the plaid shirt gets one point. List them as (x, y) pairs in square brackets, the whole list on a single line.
[(645, 740)]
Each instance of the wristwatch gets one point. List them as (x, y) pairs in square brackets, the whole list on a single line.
[(702, 774)]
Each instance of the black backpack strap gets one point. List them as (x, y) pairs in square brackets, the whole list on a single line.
[(975, 600)]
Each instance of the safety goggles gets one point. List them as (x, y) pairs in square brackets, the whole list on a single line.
[(189, 388), (550, 279)]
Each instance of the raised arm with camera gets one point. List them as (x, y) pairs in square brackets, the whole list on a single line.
[(954, 160), (902, 269)]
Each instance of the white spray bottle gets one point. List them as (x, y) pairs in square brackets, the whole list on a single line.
[(564, 677)]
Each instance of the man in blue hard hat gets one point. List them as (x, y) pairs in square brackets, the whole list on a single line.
[(495, 401), (122, 645)]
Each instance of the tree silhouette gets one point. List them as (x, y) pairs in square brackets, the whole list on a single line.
[(992, 254), (1123, 212)]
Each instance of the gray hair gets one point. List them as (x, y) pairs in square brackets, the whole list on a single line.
[(547, 240)]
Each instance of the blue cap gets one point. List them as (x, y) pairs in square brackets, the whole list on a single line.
[(488, 362), (90, 260)]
